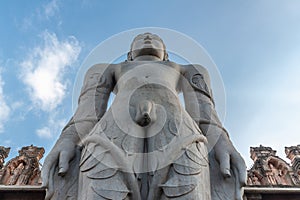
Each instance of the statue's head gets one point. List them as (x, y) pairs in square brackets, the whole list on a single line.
[(147, 44)]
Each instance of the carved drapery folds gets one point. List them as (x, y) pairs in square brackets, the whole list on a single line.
[(270, 170), (23, 169)]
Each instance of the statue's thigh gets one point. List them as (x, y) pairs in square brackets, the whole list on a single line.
[(102, 182), (188, 177)]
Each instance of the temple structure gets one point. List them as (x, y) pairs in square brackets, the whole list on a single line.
[(3, 154), (271, 170), (23, 169), (293, 153), (270, 177)]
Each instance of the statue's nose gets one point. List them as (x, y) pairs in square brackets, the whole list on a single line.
[(147, 37)]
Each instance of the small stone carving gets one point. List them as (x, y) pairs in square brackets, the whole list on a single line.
[(23, 169), (269, 169), (3, 154), (293, 153), (146, 145)]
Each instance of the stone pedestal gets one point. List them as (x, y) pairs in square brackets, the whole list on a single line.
[(22, 192)]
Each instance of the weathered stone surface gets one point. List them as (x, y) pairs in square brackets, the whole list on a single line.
[(146, 145), (23, 169), (3, 154), (270, 170), (293, 153)]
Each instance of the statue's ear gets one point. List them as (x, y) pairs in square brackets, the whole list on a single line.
[(129, 56), (166, 56)]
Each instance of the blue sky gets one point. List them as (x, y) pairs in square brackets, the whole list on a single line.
[(255, 44)]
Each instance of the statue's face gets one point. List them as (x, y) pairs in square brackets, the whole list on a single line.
[(148, 44)]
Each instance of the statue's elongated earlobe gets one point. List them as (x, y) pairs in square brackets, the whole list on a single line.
[(129, 56), (166, 56)]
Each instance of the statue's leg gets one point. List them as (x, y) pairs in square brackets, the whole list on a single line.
[(188, 177), (99, 180), (221, 188), (99, 188), (66, 187)]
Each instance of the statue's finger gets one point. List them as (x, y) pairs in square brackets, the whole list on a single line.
[(241, 168), (224, 160), (50, 188), (49, 163), (64, 158), (238, 186), (48, 195)]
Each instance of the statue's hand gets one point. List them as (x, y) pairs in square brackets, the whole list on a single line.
[(61, 154), (229, 158)]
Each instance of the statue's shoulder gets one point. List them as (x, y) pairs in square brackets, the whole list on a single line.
[(198, 77), (101, 69), (192, 69)]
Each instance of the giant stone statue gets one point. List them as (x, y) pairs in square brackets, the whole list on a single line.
[(146, 145)]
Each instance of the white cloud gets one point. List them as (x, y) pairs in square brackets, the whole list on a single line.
[(44, 132), (16, 105), (44, 69), (7, 142), (40, 14), (53, 127), (4, 109), (51, 9), (26, 23)]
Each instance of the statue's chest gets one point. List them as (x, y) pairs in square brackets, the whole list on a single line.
[(148, 73)]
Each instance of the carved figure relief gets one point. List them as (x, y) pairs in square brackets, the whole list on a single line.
[(269, 169), (23, 169)]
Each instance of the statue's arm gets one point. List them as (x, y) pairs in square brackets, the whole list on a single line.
[(199, 104), (92, 105)]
